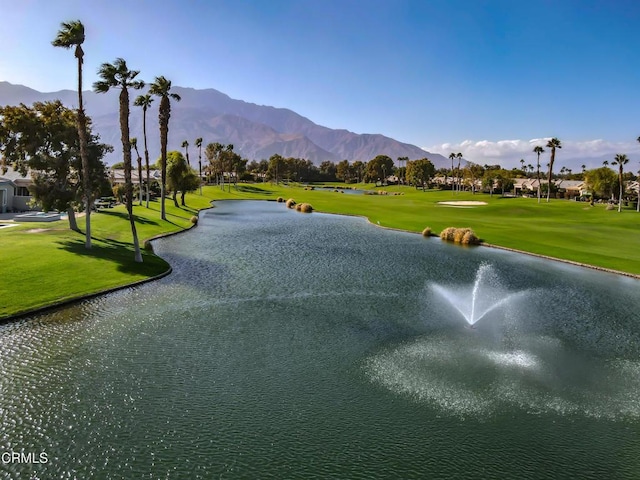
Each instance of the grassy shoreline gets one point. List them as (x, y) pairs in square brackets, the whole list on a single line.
[(45, 264)]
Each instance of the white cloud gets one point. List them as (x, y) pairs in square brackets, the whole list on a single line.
[(509, 152)]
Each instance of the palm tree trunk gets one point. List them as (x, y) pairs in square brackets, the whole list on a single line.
[(146, 150), (139, 177), (71, 215), (126, 147), (200, 168), (620, 198), (553, 157), (164, 132), (84, 154), (538, 178)]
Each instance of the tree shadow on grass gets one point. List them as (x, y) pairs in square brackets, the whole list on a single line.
[(125, 216), (118, 252), (254, 189)]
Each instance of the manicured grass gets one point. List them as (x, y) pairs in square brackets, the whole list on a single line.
[(43, 268), (40, 268)]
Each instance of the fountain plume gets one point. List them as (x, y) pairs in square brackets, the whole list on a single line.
[(484, 297)]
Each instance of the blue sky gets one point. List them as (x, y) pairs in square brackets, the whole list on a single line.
[(487, 78)]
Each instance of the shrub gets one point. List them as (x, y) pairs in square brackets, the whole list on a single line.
[(280, 200), (426, 232), (305, 208), (291, 203), (447, 234), (148, 246), (194, 220), (463, 236), (470, 238), (459, 234)]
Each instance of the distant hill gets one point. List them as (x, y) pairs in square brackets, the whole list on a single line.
[(256, 131)]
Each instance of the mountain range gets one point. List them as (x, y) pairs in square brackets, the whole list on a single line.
[(256, 131)]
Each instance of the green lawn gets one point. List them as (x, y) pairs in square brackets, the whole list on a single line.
[(49, 266)]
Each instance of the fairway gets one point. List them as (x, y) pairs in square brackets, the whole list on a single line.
[(47, 263)]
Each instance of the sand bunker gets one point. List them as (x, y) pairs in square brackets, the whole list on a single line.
[(463, 203)]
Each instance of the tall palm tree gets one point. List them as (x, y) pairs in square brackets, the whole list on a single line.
[(199, 145), (161, 88), (72, 34), (459, 180), (538, 150), (621, 160), (552, 144), (145, 102), (134, 144), (452, 157), (638, 184), (185, 145), (118, 75)]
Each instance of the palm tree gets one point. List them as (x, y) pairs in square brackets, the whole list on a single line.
[(538, 150), (185, 145), (134, 144), (117, 75), (621, 160), (552, 144), (145, 102), (161, 88), (199, 145), (522, 165), (638, 185), (459, 157), (72, 34), (452, 157)]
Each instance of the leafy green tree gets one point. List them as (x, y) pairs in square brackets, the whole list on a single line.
[(71, 34), (359, 169), (213, 153), (145, 102), (473, 172), (379, 168), (553, 144), (328, 171), (118, 75), (44, 139), (276, 167), (180, 176), (420, 172), (343, 171), (600, 181), (161, 87), (621, 160)]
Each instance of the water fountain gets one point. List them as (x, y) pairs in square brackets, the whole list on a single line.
[(486, 295)]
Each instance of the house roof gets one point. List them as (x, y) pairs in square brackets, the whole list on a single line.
[(16, 177), (117, 175)]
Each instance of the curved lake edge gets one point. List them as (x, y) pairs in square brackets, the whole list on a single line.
[(81, 298), (88, 296), (497, 247)]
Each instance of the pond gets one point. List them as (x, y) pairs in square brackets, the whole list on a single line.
[(294, 345)]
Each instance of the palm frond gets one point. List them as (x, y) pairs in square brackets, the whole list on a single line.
[(102, 86), (70, 34)]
